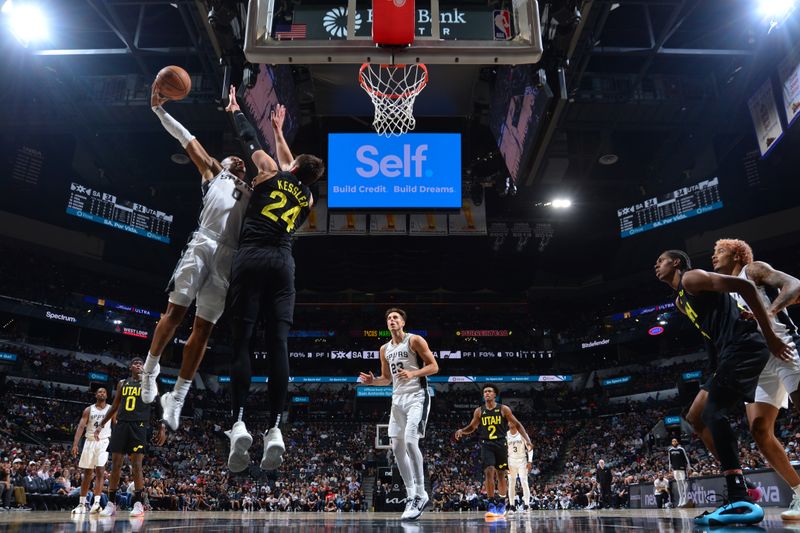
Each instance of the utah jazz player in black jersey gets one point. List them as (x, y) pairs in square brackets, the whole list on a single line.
[(129, 435), (263, 279), (494, 419), (704, 297)]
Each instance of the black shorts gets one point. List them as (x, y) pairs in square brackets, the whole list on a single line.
[(262, 279), (128, 437), (494, 454), (739, 368)]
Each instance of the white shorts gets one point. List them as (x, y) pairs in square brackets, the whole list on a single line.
[(679, 475), (777, 380), (409, 414), (94, 454), (203, 273), (515, 469)]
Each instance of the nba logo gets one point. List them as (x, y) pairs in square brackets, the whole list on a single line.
[(502, 24)]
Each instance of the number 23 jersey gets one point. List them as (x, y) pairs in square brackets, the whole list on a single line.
[(277, 208)]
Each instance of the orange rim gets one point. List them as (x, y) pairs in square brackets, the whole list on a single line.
[(406, 94)]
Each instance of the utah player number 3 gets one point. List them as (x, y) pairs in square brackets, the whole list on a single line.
[(289, 216)]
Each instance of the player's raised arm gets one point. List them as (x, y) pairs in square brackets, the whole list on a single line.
[(113, 411), (762, 273), (506, 411), (79, 431), (472, 426), (385, 377), (698, 280), (246, 132), (206, 165), (285, 157)]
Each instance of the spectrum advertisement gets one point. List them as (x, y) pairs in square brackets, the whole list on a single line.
[(413, 171)]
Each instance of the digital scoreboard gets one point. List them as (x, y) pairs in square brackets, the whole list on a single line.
[(665, 209), (105, 208)]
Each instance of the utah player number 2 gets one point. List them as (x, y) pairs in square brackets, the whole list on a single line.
[(288, 216)]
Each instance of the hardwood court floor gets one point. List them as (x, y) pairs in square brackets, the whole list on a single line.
[(645, 521)]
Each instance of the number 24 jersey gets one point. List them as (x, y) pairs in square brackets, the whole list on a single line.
[(277, 208)]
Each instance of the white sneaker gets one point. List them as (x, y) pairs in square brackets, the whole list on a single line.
[(138, 509), (793, 513), (241, 440), (80, 509), (273, 450), (171, 406), (95, 507), (409, 509), (417, 506), (110, 510), (149, 385)]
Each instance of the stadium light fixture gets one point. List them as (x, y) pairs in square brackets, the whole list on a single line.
[(561, 203), (776, 9), (26, 22)]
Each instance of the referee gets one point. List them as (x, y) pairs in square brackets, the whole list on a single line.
[(679, 464)]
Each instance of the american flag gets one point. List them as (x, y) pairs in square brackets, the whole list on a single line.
[(290, 31)]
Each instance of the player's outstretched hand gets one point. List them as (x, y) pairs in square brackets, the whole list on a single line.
[(156, 98), (366, 379), (161, 436), (277, 117), (74, 451), (233, 105), (779, 349)]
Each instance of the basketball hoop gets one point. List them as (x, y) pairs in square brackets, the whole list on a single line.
[(393, 89)]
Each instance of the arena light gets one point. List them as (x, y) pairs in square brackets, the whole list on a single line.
[(26, 22), (561, 203), (776, 10)]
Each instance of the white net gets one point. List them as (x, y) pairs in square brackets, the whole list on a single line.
[(393, 89)]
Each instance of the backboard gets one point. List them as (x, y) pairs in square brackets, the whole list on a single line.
[(447, 32)]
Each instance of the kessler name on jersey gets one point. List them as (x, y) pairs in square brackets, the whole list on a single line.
[(295, 191)]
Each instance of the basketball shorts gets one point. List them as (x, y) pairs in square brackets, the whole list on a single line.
[(778, 380), (494, 454), (679, 475), (94, 454), (739, 368), (202, 274), (128, 436), (409, 415), (262, 280), (516, 468)]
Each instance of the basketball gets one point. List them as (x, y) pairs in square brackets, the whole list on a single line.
[(173, 82)]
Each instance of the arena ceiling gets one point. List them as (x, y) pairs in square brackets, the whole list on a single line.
[(660, 84)]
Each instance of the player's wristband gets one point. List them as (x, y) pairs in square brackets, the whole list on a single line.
[(246, 132), (530, 456), (173, 127)]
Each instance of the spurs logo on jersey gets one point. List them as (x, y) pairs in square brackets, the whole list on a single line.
[(782, 324), (516, 448), (401, 357), (225, 200), (95, 417)]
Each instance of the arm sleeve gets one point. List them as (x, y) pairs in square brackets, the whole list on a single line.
[(669, 456), (686, 455), (173, 127), (246, 132)]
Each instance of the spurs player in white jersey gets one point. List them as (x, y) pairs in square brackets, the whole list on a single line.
[(406, 362), (203, 271), (520, 455), (94, 456), (780, 379)]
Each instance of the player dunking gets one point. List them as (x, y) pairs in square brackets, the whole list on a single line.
[(129, 436), (742, 354), (406, 363), (94, 455), (263, 279), (494, 420), (779, 380), (520, 455), (203, 271)]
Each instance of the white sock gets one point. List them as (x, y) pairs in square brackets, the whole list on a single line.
[(97, 499), (796, 490), (150, 363), (421, 491), (181, 388)]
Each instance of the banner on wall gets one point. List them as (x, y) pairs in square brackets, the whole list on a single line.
[(317, 221), (766, 121), (789, 75), (388, 224), (471, 220), (427, 224), (347, 224)]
